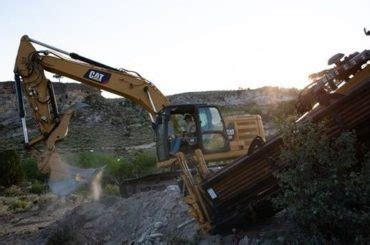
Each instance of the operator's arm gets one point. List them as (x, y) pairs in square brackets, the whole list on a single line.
[(31, 65)]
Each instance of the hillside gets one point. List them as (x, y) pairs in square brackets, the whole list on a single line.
[(262, 97), (115, 125)]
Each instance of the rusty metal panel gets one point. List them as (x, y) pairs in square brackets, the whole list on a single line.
[(232, 191)]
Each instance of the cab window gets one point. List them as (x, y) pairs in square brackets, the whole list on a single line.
[(210, 119), (212, 129)]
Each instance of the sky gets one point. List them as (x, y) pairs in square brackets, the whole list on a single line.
[(189, 45)]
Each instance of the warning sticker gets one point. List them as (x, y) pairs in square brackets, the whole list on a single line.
[(212, 193)]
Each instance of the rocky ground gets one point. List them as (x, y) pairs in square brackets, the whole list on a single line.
[(154, 217), (142, 218)]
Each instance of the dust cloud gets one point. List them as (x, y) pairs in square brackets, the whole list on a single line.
[(65, 178), (96, 187)]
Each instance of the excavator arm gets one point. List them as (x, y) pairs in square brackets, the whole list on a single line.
[(30, 68)]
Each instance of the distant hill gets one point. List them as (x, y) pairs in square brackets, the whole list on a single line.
[(265, 96)]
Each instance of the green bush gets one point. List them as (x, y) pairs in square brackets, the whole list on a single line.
[(11, 172), (32, 173), (117, 171), (19, 205), (326, 189), (113, 190), (37, 187), (93, 160), (136, 165), (117, 168), (13, 191), (144, 163)]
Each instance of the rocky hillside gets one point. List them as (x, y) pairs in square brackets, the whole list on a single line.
[(115, 125), (265, 96)]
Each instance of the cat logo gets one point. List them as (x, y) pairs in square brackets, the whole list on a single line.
[(97, 76)]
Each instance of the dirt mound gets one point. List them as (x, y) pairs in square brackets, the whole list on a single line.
[(154, 217), (143, 218)]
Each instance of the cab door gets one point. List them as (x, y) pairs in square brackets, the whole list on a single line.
[(161, 136), (212, 132)]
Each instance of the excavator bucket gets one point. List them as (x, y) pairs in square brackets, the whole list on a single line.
[(64, 178)]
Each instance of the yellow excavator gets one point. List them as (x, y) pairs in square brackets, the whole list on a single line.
[(217, 138)]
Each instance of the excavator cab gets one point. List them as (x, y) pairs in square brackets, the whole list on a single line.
[(194, 126)]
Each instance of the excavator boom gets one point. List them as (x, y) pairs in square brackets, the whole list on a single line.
[(31, 64)]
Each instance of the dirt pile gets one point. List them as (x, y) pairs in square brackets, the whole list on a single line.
[(154, 217), (143, 218)]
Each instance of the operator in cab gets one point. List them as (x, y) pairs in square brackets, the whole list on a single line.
[(188, 135)]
